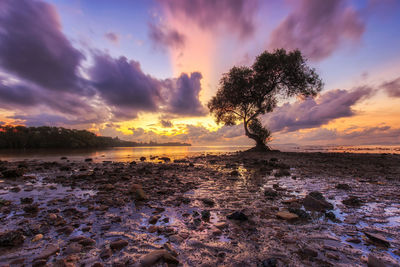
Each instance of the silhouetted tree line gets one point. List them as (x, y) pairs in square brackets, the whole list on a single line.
[(54, 137)]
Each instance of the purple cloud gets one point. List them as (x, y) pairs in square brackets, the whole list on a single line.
[(123, 85), (235, 15), (183, 95), (112, 37), (164, 37), (392, 88), (312, 113), (33, 47), (318, 28)]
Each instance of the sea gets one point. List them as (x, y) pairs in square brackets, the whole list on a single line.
[(128, 154)]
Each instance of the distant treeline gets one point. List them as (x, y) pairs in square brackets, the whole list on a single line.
[(58, 137)]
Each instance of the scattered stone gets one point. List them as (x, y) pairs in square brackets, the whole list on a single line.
[(307, 253), (86, 241), (142, 158), (26, 200), (105, 253), (285, 215), (352, 201), (374, 261), (377, 238), (48, 251), (271, 262), (343, 186), (12, 173), (118, 244), (353, 240), (154, 219), (11, 238), (154, 257), (316, 201), (152, 229), (270, 193), (208, 202), (37, 237), (73, 248), (238, 216), (137, 192), (31, 209), (299, 212), (88, 160), (205, 215), (221, 225)]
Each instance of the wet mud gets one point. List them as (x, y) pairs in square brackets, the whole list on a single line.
[(238, 209)]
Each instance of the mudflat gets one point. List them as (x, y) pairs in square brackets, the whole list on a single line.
[(235, 209)]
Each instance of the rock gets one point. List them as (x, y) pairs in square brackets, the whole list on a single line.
[(26, 200), (353, 240), (155, 256), (217, 231), (299, 212), (343, 186), (98, 264), (270, 193), (86, 241), (374, 261), (118, 244), (154, 219), (271, 262), (37, 237), (137, 192), (285, 215), (152, 229), (352, 201), (221, 225), (67, 230), (142, 158), (238, 216), (52, 216), (11, 238), (73, 248), (39, 263), (169, 248), (308, 253), (13, 173), (316, 201), (165, 159), (105, 253), (205, 215), (88, 160), (31, 208), (377, 238), (48, 251), (208, 202)]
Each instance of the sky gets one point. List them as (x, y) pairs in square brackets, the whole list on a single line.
[(144, 70)]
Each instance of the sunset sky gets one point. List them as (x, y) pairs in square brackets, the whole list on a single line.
[(145, 70)]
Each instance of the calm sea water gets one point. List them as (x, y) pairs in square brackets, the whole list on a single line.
[(173, 152)]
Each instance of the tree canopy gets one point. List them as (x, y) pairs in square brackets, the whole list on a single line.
[(245, 93)]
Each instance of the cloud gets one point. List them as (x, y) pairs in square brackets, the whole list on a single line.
[(312, 113), (164, 37), (49, 120), (166, 123), (233, 15), (392, 88), (122, 84), (112, 37), (33, 47), (318, 28), (183, 95)]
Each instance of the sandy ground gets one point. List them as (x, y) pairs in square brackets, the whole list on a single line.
[(240, 209)]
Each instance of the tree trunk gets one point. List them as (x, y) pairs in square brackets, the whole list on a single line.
[(260, 144)]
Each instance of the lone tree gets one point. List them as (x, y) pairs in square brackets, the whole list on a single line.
[(246, 93)]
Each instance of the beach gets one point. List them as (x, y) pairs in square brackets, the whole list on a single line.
[(216, 209)]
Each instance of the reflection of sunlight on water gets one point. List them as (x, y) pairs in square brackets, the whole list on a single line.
[(117, 153)]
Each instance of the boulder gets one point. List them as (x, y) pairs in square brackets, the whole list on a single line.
[(316, 201), (285, 215), (118, 244), (11, 238), (154, 257), (238, 216)]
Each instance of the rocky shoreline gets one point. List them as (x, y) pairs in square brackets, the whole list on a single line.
[(238, 209)]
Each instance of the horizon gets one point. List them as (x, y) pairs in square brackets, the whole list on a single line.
[(144, 70)]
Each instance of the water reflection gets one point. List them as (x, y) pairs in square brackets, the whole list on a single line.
[(123, 154)]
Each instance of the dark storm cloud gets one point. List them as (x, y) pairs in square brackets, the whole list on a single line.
[(318, 28), (33, 47), (164, 37), (236, 15), (392, 88), (112, 37), (122, 84), (49, 120), (184, 95), (312, 113)]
